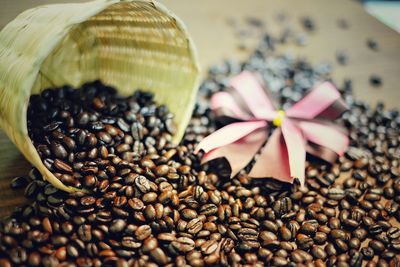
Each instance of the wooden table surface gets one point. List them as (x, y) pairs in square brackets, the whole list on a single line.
[(207, 21)]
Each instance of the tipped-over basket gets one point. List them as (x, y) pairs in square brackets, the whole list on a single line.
[(127, 44)]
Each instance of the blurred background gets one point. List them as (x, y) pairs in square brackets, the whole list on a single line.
[(387, 11), (340, 28)]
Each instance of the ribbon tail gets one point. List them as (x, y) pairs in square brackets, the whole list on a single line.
[(321, 152), (228, 134), (316, 102), (295, 145), (333, 111), (273, 162), (327, 135), (240, 153)]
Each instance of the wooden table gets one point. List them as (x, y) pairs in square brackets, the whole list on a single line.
[(207, 21)]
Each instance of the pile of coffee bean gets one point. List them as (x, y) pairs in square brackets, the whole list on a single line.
[(348, 213), (160, 207), (75, 130)]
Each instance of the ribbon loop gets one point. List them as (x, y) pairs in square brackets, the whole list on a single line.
[(252, 93), (315, 102)]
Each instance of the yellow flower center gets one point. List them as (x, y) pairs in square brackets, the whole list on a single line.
[(279, 118)]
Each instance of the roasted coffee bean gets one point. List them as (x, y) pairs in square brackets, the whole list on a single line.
[(166, 237), (318, 252), (183, 244), (159, 256), (309, 227), (34, 259), (208, 209), (368, 252), (391, 207), (375, 80), (336, 193), (150, 197), (72, 251), (354, 243), (279, 261), (334, 223), (330, 249), (87, 201), (149, 212), (19, 182), (393, 232), (247, 234), (395, 244), (165, 196), (150, 244), (341, 245), (375, 229), (338, 234), (270, 226), (282, 206), (388, 192), (58, 150), (194, 226), (285, 233), (304, 242), (297, 257), (142, 184), (368, 221), (33, 188), (142, 232), (360, 233), (209, 247), (341, 57), (117, 226), (377, 246), (294, 227), (320, 238), (90, 181), (350, 223), (267, 236), (188, 214), (136, 204), (356, 258)]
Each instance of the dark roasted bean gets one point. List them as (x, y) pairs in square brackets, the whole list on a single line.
[(354, 243), (377, 246), (183, 244), (142, 232), (304, 242), (58, 150), (393, 232), (318, 252), (194, 226), (19, 182), (117, 226), (367, 252), (320, 238)]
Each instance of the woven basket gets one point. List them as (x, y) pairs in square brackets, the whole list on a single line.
[(128, 44)]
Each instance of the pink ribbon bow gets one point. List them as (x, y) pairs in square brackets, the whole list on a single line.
[(305, 127)]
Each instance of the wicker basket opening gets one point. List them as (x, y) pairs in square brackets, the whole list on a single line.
[(129, 44)]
